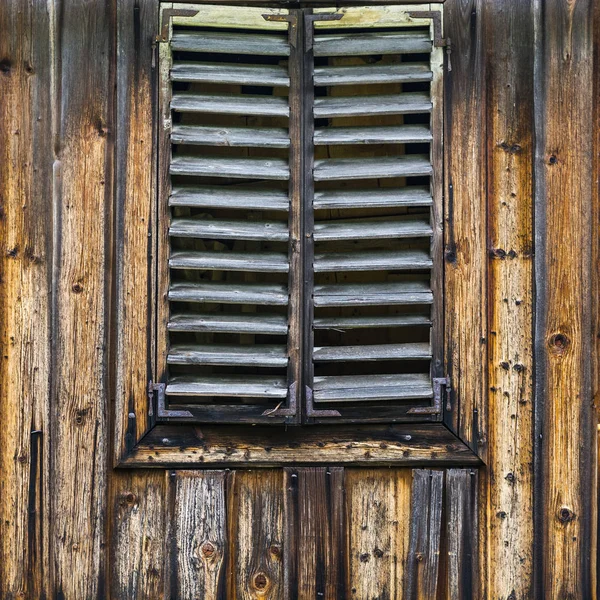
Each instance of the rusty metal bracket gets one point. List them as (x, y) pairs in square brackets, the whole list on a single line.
[(436, 406), (167, 14), (161, 410), (436, 17), (310, 409), (291, 18), (310, 30), (290, 410)]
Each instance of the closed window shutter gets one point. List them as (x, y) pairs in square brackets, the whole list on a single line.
[(301, 214), (231, 315), (375, 218)]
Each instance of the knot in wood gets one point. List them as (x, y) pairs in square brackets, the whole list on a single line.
[(559, 343), (130, 498), (419, 557), (77, 288), (275, 551), (260, 581), (208, 550), (566, 515)]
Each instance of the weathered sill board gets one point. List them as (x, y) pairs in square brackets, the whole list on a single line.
[(413, 444)]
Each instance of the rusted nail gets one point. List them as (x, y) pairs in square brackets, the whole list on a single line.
[(553, 159)]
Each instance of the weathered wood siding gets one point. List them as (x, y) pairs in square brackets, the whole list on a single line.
[(522, 213)]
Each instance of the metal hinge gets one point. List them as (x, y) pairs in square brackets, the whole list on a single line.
[(290, 410), (310, 410), (167, 13), (436, 406), (436, 18), (161, 410), (310, 31)]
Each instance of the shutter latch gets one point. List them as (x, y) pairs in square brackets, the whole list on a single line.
[(158, 403), (436, 18), (436, 405)]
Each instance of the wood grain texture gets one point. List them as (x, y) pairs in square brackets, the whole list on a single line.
[(197, 534), (465, 228), (25, 267), (378, 530), (410, 444), (564, 181), (82, 216), (461, 516), (134, 203), (509, 97), (256, 535), (421, 574), (137, 535), (315, 521)]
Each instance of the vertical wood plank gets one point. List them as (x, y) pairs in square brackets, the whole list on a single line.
[(462, 534), (564, 272), (255, 524), (465, 224), (421, 573), (82, 200), (508, 506), (197, 535), (135, 205), (137, 535), (378, 509), (315, 509), (25, 267)]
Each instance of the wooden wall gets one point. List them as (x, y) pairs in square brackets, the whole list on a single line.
[(522, 149)]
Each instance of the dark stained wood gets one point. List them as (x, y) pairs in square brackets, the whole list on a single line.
[(26, 155), (421, 574), (508, 510), (83, 188), (461, 516), (378, 519), (197, 540), (137, 567), (564, 272), (410, 444), (135, 192), (256, 535), (315, 519), (465, 225)]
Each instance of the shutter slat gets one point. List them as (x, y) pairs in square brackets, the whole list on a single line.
[(372, 294), (231, 104), (229, 293), (240, 386), (362, 44), (372, 261), (340, 169), (267, 75), (366, 322), (356, 106), (261, 262), (254, 137), (254, 323), (228, 355), (372, 198), (407, 134), (231, 229), (230, 43), (234, 197), (363, 229), (372, 74), (245, 168), (372, 352), (368, 388)]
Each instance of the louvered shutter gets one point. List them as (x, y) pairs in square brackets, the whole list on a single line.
[(374, 212), (230, 314), (300, 214)]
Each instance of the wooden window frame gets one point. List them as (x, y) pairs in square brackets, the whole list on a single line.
[(140, 440)]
